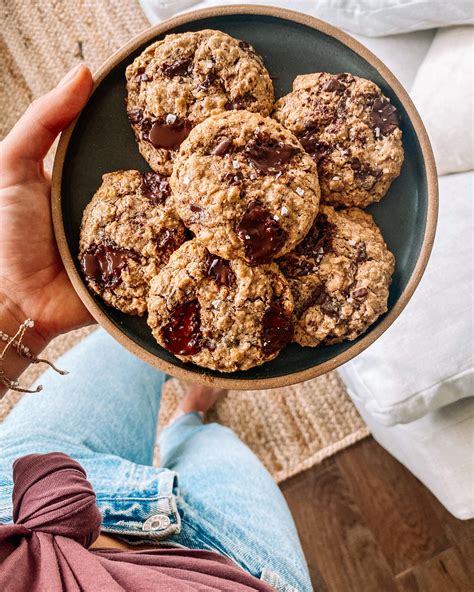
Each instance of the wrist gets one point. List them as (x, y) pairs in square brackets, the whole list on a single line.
[(11, 317)]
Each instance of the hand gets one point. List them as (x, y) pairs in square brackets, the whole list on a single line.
[(33, 282)]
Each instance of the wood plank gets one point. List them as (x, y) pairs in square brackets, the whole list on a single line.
[(340, 549), (460, 534), (443, 573), (395, 505)]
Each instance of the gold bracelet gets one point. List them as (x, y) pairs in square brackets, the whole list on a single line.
[(24, 352)]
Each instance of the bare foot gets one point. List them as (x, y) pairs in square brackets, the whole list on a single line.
[(198, 398)]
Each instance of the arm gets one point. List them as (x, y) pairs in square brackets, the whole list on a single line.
[(33, 282)]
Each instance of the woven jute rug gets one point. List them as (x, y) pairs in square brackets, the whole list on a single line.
[(291, 428)]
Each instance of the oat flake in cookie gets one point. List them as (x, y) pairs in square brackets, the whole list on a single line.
[(128, 232), (223, 315), (245, 187), (350, 129), (179, 81), (340, 277)]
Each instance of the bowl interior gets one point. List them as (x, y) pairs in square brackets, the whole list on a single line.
[(102, 141)]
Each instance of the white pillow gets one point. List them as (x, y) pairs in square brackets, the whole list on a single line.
[(443, 92), (425, 359), (365, 17)]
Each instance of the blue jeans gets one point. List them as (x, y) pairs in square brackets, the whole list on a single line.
[(211, 491)]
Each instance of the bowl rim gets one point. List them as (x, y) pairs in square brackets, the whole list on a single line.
[(286, 379)]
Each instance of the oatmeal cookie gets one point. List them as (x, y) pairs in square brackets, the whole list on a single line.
[(223, 315), (128, 232), (245, 187), (350, 129), (339, 275), (179, 81)]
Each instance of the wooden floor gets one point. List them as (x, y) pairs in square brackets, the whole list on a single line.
[(368, 525)]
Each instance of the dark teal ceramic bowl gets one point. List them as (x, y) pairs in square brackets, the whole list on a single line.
[(101, 140)]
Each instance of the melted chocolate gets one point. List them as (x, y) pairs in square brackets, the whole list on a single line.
[(245, 46), (223, 147), (182, 335), (104, 263), (177, 68), (277, 328), (268, 156), (384, 116), (261, 235), (219, 269), (169, 136), (155, 187)]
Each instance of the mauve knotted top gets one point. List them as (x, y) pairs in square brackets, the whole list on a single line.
[(55, 521)]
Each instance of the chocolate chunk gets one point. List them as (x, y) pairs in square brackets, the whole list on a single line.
[(167, 240), (223, 147), (368, 176), (155, 187), (309, 139), (241, 102), (318, 241), (169, 136), (277, 328), (268, 156), (355, 164), (294, 266), (384, 116), (234, 178), (318, 297), (360, 293), (210, 79), (142, 76), (198, 214), (135, 116), (361, 252), (334, 85), (245, 46), (177, 68), (104, 263), (182, 335), (261, 235), (219, 269)]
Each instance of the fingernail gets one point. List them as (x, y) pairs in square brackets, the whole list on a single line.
[(70, 75)]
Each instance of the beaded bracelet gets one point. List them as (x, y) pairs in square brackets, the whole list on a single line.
[(24, 352)]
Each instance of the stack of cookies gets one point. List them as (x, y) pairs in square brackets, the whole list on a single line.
[(249, 232)]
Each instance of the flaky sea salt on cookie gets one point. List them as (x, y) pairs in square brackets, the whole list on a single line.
[(340, 277), (350, 129), (129, 230), (179, 81), (245, 187), (223, 315)]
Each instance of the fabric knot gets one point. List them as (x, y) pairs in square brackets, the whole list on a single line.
[(51, 494)]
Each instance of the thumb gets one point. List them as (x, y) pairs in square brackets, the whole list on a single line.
[(34, 133)]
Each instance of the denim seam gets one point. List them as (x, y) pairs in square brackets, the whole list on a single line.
[(284, 587)]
